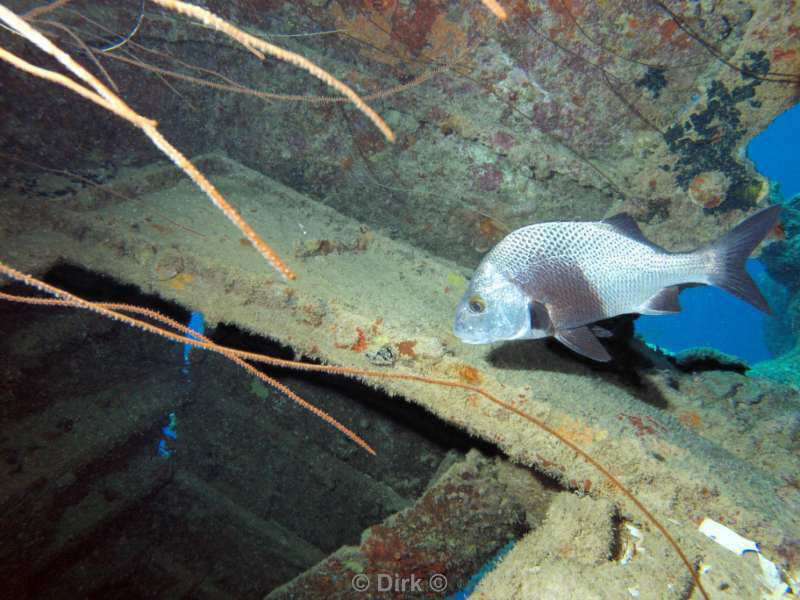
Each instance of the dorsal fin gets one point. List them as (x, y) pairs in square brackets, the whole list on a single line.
[(625, 224)]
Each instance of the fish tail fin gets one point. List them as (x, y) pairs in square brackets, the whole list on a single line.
[(730, 252)]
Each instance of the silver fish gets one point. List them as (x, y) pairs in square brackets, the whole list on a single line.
[(555, 279)]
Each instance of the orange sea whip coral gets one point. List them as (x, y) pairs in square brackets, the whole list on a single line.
[(94, 90), (115, 311), (102, 96), (495, 8)]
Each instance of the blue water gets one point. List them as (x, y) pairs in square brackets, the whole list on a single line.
[(774, 151), (712, 317)]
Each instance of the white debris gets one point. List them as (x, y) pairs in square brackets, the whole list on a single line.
[(632, 544), (772, 574), (728, 538)]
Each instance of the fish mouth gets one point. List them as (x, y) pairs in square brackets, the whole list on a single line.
[(466, 334)]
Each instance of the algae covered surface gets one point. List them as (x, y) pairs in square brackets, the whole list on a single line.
[(689, 445), (568, 110)]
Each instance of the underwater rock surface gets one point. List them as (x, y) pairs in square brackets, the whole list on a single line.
[(567, 110), (690, 445), (476, 507)]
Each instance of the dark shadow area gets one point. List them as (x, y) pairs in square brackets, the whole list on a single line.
[(129, 472), (628, 359), (101, 288), (697, 360), (378, 404)]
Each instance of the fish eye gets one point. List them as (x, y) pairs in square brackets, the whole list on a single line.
[(476, 304)]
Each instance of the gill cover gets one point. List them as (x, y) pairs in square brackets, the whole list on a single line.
[(493, 308)]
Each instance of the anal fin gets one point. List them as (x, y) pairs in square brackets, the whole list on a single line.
[(583, 341), (662, 303)]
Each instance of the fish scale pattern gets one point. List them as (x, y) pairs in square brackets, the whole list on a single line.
[(624, 272)]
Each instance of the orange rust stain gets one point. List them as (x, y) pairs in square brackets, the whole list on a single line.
[(346, 163), (644, 426), (705, 192), (548, 465), (578, 432), (406, 348), (778, 54), (465, 373), (490, 228), (361, 343), (334, 329), (412, 29), (586, 484), (668, 28), (692, 419), (357, 346), (469, 374), (567, 12), (519, 10), (381, 5)]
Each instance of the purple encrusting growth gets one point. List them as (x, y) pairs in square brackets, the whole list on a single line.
[(488, 177)]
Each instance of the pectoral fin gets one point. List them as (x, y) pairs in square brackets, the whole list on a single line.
[(600, 332), (561, 286), (540, 317), (583, 341)]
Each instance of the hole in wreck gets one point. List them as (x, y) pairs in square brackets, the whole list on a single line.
[(129, 469)]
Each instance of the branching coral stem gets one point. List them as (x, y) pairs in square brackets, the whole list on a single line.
[(496, 9), (98, 93), (94, 90), (261, 47), (115, 311)]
